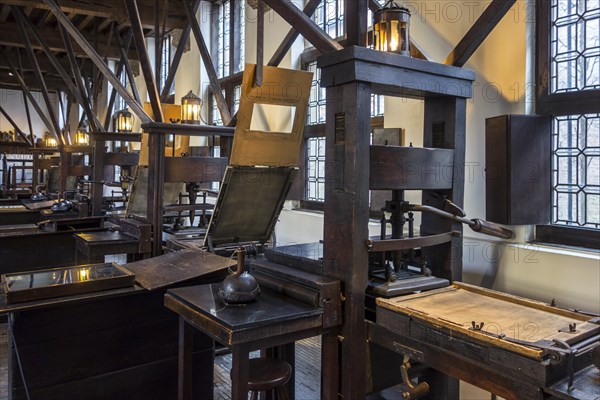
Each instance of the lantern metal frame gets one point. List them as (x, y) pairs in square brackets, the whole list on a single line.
[(82, 137), (191, 108), (49, 140), (391, 29), (123, 121)]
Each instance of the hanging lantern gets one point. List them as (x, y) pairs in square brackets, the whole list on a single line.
[(190, 109), (123, 121), (391, 29), (49, 140), (81, 137)]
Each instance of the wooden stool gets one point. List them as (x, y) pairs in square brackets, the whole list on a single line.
[(268, 374)]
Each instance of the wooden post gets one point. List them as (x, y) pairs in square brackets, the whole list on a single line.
[(346, 221), (444, 127), (98, 177), (355, 19)]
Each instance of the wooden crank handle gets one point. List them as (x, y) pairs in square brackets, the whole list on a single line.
[(489, 228)]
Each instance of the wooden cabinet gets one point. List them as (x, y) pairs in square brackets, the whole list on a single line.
[(518, 157)]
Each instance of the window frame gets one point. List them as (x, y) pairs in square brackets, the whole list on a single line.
[(559, 104)]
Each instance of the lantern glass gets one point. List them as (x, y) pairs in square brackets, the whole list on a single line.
[(50, 141), (390, 29), (81, 138), (123, 121), (190, 109)]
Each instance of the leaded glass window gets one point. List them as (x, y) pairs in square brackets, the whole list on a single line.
[(575, 45), (576, 170), (315, 167), (575, 68)]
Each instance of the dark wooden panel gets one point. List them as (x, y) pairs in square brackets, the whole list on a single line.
[(475, 369), (36, 251), (410, 168), (122, 159), (518, 169), (152, 381), (19, 217), (194, 169), (107, 348), (79, 170), (496, 170)]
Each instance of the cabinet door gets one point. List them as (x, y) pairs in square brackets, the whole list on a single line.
[(518, 169)]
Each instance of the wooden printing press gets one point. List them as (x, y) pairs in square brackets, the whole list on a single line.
[(512, 347)]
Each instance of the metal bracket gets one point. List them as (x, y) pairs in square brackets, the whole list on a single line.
[(413, 392), (410, 352)]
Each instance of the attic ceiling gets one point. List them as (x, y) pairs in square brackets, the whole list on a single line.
[(97, 20)]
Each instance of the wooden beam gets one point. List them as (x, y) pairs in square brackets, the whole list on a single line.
[(125, 62), (85, 22), (291, 36), (71, 86), (43, 61), (25, 102), (13, 83), (215, 85), (185, 35), (4, 13), (104, 24), (17, 129), (478, 32), (306, 26), (140, 44), (119, 70), (45, 19), (32, 99), (157, 44), (355, 20), (20, 18), (113, 10), (97, 60), (9, 36), (71, 6)]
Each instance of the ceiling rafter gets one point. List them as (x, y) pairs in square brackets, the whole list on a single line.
[(4, 13), (9, 36)]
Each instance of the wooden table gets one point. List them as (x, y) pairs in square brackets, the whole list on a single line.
[(273, 320)]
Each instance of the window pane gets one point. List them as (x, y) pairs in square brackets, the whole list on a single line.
[(576, 170), (575, 45), (165, 62), (316, 99), (330, 17), (315, 169)]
